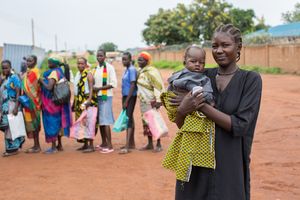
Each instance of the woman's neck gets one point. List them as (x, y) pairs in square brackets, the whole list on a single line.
[(227, 69)]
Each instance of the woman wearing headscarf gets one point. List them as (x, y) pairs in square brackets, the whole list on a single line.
[(31, 88), (56, 118), (10, 92), (150, 86)]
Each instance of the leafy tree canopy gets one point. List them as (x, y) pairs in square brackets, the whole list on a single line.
[(195, 22), (292, 16), (108, 46)]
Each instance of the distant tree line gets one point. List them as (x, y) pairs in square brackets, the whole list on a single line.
[(292, 16), (197, 21)]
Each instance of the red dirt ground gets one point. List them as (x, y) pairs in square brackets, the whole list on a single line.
[(139, 175)]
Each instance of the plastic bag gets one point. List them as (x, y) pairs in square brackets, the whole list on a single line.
[(16, 125), (156, 124), (121, 123), (84, 127)]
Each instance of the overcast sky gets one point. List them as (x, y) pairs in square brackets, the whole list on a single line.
[(81, 24)]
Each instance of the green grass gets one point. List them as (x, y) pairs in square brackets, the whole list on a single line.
[(176, 65), (263, 70)]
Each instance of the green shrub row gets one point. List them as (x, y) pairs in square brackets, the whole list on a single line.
[(176, 65)]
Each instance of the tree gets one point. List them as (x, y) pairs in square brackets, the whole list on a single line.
[(195, 22), (108, 46), (210, 14), (169, 27), (292, 16), (91, 52), (261, 24), (243, 19)]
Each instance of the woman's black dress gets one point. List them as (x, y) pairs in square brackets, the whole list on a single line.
[(231, 178)]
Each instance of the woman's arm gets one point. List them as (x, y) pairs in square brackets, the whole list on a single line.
[(18, 90), (90, 79), (186, 105), (50, 84), (221, 119)]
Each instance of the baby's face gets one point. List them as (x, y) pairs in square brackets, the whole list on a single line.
[(195, 60)]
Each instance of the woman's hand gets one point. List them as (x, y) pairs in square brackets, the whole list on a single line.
[(15, 111), (178, 97), (191, 102), (96, 89), (125, 104), (155, 104), (41, 80)]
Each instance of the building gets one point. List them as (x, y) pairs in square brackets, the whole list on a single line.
[(16, 52), (281, 34)]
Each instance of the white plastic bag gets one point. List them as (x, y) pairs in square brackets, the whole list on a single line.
[(16, 125)]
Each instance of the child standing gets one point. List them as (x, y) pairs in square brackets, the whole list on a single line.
[(194, 142)]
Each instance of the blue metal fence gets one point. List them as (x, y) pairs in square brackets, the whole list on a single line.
[(16, 52)]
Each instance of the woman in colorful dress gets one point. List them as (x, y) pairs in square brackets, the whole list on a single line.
[(83, 97), (150, 87), (56, 118), (32, 114), (10, 92)]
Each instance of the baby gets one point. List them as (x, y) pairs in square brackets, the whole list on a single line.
[(191, 77), (194, 142)]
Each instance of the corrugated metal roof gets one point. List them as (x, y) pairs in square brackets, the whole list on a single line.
[(285, 30), (16, 52)]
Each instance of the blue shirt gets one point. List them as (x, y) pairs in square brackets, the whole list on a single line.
[(13, 82), (129, 75)]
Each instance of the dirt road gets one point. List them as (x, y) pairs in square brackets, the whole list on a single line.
[(71, 175)]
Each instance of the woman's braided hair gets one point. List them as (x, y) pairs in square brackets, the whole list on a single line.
[(234, 32)]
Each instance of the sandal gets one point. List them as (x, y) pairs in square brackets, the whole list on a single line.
[(33, 150), (157, 149), (88, 150), (82, 148), (50, 151), (123, 147), (146, 148), (5, 154), (124, 151), (59, 148), (99, 147), (106, 150)]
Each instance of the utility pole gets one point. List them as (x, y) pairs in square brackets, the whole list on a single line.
[(56, 43), (32, 30), (65, 46)]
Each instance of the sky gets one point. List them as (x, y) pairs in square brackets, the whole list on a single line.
[(86, 24)]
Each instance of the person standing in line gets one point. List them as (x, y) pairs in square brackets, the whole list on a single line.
[(129, 92), (57, 119), (150, 87), (24, 67), (32, 114), (10, 91), (83, 98), (105, 80)]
